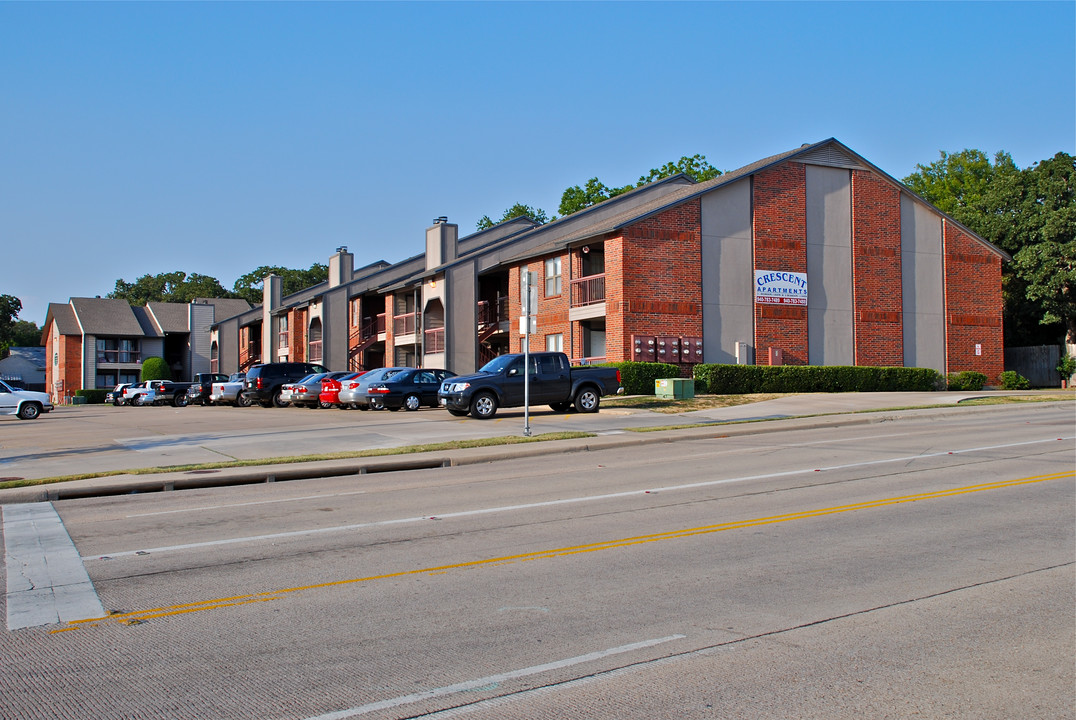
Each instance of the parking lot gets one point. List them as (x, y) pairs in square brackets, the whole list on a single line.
[(95, 438)]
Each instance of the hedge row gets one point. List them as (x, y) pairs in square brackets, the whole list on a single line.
[(742, 379), (638, 377), (93, 396)]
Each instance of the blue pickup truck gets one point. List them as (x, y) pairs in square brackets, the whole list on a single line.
[(553, 382)]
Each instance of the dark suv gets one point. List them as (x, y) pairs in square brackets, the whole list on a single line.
[(264, 381), (198, 392)]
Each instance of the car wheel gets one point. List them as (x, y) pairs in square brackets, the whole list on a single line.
[(587, 400), (136, 401), (242, 401), (560, 407), (325, 405), (276, 401), (29, 411), (117, 403), (412, 402), (180, 401), (457, 413), (484, 406)]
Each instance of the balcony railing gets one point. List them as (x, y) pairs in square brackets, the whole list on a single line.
[(369, 328), (315, 351), (405, 324), (588, 290), (119, 356), (492, 312), (434, 340)]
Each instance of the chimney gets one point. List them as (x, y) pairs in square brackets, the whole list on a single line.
[(441, 240), (272, 294), (341, 267)]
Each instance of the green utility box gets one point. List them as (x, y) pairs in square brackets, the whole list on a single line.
[(676, 388)]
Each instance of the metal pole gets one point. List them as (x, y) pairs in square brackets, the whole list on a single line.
[(527, 377)]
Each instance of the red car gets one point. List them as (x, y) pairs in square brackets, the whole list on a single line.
[(330, 389)]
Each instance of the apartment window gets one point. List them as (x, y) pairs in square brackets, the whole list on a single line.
[(552, 277), (554, 343), (113, 350), (282, 335)]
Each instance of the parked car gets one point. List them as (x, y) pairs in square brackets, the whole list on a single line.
[(115, 395), (353, 392), (407, 389), (156, 392), (305, 392), (229, 393), (330, 389), (264, 381), (200, 390), (23, 404), (553, 381)]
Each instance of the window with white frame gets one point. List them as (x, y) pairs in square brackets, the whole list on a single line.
[(552, 277), (282, 333), (554, 343)]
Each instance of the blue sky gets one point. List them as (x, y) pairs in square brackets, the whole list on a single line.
[(141, 138)]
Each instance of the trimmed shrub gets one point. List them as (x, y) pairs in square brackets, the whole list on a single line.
[(1012, 380), (93, 396), (155, 368), (743, 379), (638, 377), (967, 380)]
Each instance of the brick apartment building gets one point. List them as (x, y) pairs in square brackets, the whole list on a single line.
[(813, 256), (99, 342)]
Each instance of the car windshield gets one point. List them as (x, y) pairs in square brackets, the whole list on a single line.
[(498, 364), (236, 377), (311, 378)]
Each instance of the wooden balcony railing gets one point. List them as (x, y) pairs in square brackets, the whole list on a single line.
[(434, 341), (492, 312), (588, 290), (315, 351)]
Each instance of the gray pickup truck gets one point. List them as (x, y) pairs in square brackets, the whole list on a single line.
[(553, 382)]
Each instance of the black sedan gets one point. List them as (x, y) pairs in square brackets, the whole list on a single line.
[(409, 389)]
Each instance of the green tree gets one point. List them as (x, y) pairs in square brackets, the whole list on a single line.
[(696, 167), (249, 286), (577, 198), (25, 334), (593, 192), (517, 210), (169, 287), (10, 307), (1030, 214)]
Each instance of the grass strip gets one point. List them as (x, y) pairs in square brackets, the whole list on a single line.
[(291, 459)]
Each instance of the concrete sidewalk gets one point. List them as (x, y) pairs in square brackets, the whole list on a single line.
[(787, 413)]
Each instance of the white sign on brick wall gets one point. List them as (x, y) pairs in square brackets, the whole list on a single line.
[(776, 287)]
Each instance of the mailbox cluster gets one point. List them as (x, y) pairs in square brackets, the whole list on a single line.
[(666, 349)]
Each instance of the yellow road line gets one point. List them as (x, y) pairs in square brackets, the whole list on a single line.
[(134, 617)]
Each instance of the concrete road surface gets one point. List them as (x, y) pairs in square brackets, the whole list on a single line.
[(918, 567)]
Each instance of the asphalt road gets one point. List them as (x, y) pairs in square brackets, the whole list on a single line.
[(920, 567)]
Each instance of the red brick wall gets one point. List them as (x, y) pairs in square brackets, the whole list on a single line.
[(779, 224), (552, 312), (876, 271), (297, 335), (68, 350), (659, 264), (972, 305)]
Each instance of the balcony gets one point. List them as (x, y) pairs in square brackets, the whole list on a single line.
[(434, 341), (405, 324), (587, 298), (315, 351), (588, 290)]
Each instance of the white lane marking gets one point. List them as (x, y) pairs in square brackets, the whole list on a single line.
[(46, 580), (257, 502), (565, 501), (491, 680)]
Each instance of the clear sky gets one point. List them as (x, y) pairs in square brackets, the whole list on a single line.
[(141, 138)]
